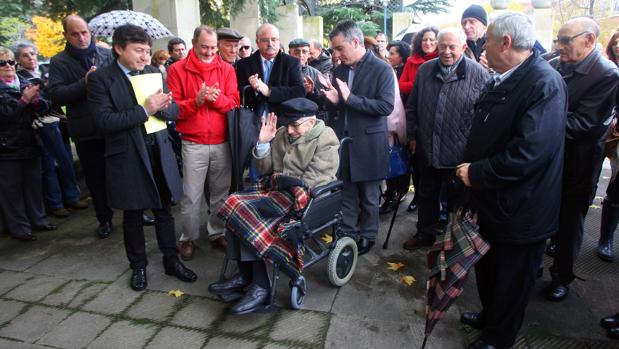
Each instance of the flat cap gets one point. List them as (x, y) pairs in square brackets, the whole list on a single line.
[(296, 108), (228, 34), (298, 43)]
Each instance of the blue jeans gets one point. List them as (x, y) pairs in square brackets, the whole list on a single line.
[(55, 150)]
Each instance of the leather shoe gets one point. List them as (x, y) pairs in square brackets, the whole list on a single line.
[(364, 246), (415, 243), (472, 319), (253, 299), (60, 213), (25, 237), (178, 269), (613, 332), (78, 205), (138, 279), (187, 249), (556, 292), (235, 283), (610, 321), (45, 227), (148, 220), (480, 344), (220, 243), (605, 252), (412, 207), (104, 230)]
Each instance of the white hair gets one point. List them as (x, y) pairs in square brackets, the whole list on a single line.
[(452, 30), (518, 27)]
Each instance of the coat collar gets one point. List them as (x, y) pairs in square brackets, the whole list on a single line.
[(460, 69), (512, 81)]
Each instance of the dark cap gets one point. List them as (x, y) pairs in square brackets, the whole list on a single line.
[(298, 43), (228, 34), (296, 108), (477, 12)]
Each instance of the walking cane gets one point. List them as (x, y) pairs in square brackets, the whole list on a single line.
[(396, 205)]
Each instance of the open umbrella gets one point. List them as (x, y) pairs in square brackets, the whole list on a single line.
[(104, 24), (449, 260)]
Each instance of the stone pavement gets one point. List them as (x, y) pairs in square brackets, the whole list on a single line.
[(70, 290)]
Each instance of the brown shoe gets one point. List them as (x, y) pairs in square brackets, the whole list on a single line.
[(219, 244), (61, 213), (187, 248), (78, 205), (415, 243)]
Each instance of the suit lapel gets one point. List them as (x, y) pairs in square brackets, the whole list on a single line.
[(121, 90)]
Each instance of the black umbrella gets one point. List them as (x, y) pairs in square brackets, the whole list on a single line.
[(243, 131)]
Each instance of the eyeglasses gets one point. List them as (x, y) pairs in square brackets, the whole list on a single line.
[(247, 47), (296, 125), (9, 62), (566, 40)]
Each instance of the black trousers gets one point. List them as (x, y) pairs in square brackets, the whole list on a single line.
[(21, 195), (91, 154), (133, 226), (505, 278), (431, 181)]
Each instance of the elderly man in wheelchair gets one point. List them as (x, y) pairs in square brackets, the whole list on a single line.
[(281, 215)]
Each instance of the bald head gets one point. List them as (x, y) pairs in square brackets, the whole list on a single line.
[(76, 31), (576, 39), (584, 24), (267, 39)]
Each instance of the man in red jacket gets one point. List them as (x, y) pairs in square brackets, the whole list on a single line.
[(205, 89)]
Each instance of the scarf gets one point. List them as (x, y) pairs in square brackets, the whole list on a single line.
[(13, 83), (203, 68), (86, 56), (447, 70)]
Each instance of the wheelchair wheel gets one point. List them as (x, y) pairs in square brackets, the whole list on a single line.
[(342, 261), (297, 297)]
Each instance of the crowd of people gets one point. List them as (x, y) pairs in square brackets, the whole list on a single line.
[(490, 120)]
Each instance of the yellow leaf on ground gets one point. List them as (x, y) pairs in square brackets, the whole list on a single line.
[(594, 206), (407, 280), (395, 266), (176, 293), (327, 238)]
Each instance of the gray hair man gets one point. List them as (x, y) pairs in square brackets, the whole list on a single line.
[(512, 165), (300, 48), (439, 112), (319, 58), (362, 91), (592, 84)]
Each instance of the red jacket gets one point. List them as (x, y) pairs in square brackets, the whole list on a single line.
[(207, 124), (410, 70)]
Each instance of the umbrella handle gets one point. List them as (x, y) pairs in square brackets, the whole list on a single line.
[(425, 340)]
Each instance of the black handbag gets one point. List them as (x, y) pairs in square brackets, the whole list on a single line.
[(398, 159)]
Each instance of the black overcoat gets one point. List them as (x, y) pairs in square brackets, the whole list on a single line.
[(129, 174), (516, 153)]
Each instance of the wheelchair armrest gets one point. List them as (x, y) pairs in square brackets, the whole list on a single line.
[(335, 185)]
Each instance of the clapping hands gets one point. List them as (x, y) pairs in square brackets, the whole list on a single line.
[(207, 93)]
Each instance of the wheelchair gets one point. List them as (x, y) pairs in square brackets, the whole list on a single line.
[(322, 213)]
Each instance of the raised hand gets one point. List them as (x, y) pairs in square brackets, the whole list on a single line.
[(344, 89), (30, 93), (308, 84), (157, 101), (201, 95), (329, 91), (268, 129), (90, 71)]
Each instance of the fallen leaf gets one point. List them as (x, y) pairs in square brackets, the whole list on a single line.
[(411, 189), (395, 266), (327, 238), (407, 280), (176, 293), (594, 206)]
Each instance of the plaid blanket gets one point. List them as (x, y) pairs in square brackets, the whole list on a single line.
[(257, 216)]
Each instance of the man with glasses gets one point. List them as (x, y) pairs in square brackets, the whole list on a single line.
[(592, 83), (299, 48), (245, 47), (273, 76), (228, 45)]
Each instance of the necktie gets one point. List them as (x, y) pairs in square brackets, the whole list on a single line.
[(267, 71), (135, 72)]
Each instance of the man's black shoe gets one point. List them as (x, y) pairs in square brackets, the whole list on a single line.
[(253, 299), (138, 279), (556, 292), (45, 227), (148, 220), (364, 246), (25, 237), (176, 268), (610, 321), (235, 283), (480, 344), (472, 319), (104, 230)]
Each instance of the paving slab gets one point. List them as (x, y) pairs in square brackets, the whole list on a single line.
[(9, 344), (33, 324), (10, 280), (125, 335), (199, 313), (220, 342), (253, 324), (9, 310), (66, 293), (303, 326), (35, 252), (36, 288), (114, 299), (76, 331), (154, 306), (172, 337), (86, 294)]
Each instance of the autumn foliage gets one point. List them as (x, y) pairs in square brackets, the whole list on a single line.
[(46, 34)]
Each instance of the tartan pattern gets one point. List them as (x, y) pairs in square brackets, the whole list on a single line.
[(449, 261), (256, 217)]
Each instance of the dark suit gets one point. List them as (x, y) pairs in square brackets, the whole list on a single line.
[(366, 161), (285, 80), (592, 87), (141, 169)]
